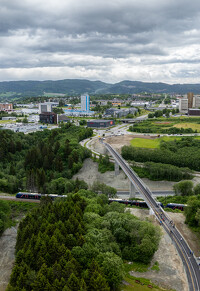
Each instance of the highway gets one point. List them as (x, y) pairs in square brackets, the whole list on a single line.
[(189, 261)]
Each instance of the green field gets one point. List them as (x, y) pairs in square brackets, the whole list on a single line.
[(7, 121), (194, 126), (152, 143)]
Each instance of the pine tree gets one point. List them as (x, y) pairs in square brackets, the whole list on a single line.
[(73, 283)]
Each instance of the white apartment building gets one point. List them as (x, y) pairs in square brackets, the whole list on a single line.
[(183, 105), (45, 107), (196, 101), (85, 102)]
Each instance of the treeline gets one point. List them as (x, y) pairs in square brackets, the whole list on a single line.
[(104, 164), (159, 171), (4, 215), (31, 162), (158, 129), (184, 153), (160, 113), (79, 244), (192, 212)]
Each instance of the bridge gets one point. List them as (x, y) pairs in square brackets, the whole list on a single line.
[(189, 261)]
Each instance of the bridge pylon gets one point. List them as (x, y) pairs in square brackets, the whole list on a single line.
[(116, 169), (132, 190)]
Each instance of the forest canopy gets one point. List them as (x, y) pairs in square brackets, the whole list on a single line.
[(35, 162), (79, 243)]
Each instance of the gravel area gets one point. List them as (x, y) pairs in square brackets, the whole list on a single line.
[(89, 173), (171, 274), (192, 239), (7, 255)]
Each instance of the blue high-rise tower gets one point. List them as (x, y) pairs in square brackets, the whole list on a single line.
[(85, 102)]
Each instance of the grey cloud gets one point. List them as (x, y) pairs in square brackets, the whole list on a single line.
[(34, 33)]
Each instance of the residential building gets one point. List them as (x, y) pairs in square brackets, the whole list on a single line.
[(190, 96), (196, 101), (6, 106), (183, 105), (85, 102)]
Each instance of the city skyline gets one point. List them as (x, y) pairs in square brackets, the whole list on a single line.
[(152, 41)]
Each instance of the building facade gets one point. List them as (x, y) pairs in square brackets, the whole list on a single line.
[(98, 123), (45, 107), (6, 106), (190, 96), (48, 117), (193, 112), (85, 102), (183, 105)]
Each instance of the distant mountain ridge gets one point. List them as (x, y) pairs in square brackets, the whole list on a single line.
[(79, 86)]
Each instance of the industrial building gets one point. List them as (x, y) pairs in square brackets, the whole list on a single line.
[(100, 123), (120, 112), (48, 117), (63, 118)]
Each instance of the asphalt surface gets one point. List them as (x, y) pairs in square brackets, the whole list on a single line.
[(189, 261), (159, 193)]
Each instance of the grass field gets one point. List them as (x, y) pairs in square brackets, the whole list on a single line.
[(139, 284), (152, 143), (194, 126), (7, 121)]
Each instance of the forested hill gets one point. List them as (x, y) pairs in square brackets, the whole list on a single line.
[(78, 86), (42, 161)]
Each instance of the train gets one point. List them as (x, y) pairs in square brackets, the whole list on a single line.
[(37, 196), (176, 206), (134, 202), (144, 205)]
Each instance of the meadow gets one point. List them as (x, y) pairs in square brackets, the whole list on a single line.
[(153, 143)]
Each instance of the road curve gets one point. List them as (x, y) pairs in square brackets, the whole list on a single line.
[(186, 254)]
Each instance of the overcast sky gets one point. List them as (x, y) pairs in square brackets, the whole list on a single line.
[(111, 41)]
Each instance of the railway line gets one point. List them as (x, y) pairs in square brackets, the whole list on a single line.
[(189, 261)]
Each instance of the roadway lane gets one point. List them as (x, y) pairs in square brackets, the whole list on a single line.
[(160, 193), (189, 261)]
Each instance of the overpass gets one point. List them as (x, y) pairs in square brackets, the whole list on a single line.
[(189, 261)]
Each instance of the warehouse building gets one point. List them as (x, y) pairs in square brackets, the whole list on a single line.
[(193, 112), (100, 123)]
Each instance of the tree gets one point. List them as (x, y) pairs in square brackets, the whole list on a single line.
[(113, 269), (183, 188), (73, 282), (197, 216), (197, 189), (25, 120)]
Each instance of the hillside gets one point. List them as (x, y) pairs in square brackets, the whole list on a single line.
[(78, 86)]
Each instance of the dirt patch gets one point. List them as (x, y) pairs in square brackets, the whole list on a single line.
[(171, 274), (157, 122), (7, 255), (191, 238), (89, 173)]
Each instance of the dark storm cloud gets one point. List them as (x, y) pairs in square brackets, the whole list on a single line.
[(37, 34)]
